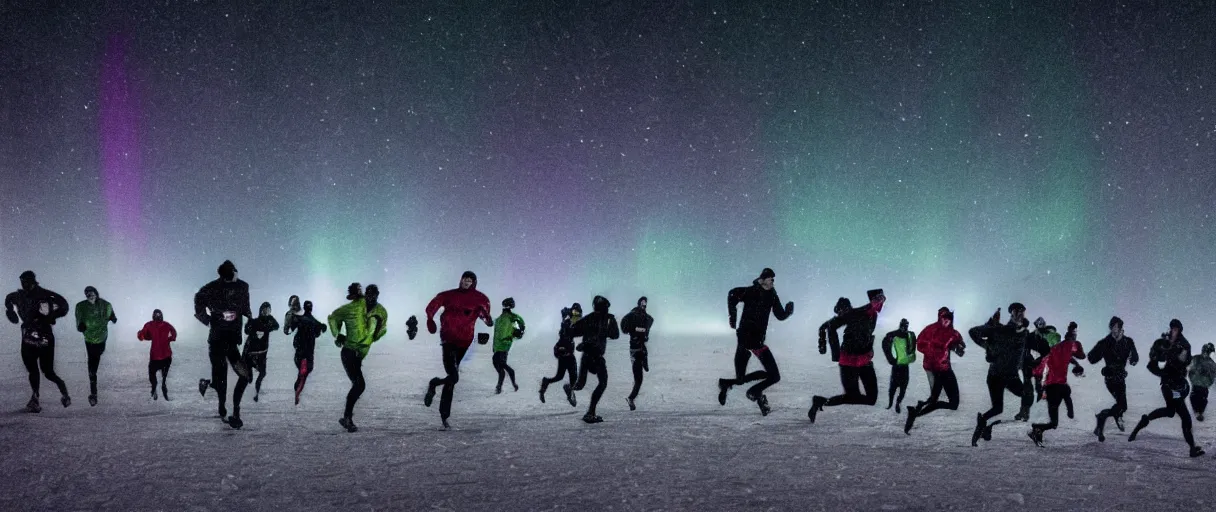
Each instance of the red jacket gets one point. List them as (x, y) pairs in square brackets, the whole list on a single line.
[(1057, 361), (461, 309), (160, 333), (935, 342)]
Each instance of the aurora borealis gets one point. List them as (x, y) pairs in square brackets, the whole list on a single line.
[(964, 154)]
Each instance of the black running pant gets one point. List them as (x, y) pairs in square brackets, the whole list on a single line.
[(1199, 399), (942, 381), (1118, 390), (742, 356), (640, 364), (161, 366), (41, 358), (899, 381), (1056, 393), (222, 350), (238, 391), (257, 361), (1175, 405), (452, 355), (849, 377), (997, 385), (768, 376), (503, 369), (565, 364), (594, 364), (94, 351), (353, 364)]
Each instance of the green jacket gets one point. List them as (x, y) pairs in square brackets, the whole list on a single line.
[(94, 318), (504, 330), (358, 321)]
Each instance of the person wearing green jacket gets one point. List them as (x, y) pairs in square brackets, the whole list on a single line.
[(508, 327), (899, 346), (1202, 372), (355, 326), (92, 316)]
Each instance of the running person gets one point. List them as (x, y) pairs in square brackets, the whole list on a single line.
[(365, 322), (461, 307), (637, 324), (307, 329), (257, 343), (220, 305), (595, 330), (35, 308), (758, 300), (1117, 352), (563, 350), (1005, 345), (92, 316), (937, 341), (899, 347), (293, 310), (160, 357), (1056, 385), (1168, 359), (1202, 372), (855, 355), (507, 328)]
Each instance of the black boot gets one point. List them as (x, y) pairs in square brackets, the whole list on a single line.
[(1139, 426), (816, 406)]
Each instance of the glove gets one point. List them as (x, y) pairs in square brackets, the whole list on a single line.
[(579, 347), (483, 338), (732, 322), (411, 327), (430, 326), (203, 318), (340, 341), (959, 349), (489, 322), (517, 333), (1078, 371), (996, 317), (12, 317), (80, 327), (789, 308)]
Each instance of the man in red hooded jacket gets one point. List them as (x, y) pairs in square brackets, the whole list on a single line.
[(160, 357), (461, 308), (936, 342), (1056, 386)]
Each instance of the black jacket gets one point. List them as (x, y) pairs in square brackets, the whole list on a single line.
[(307, 329), (23, 306), (565, 340), (1170, 361), (1036, 342), (258, 331), (631, 321), (757, 303), (596, 329), (219, 296), (1117, 354), (858, 326), (1005, 345)]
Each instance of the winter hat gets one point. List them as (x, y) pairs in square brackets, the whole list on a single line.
[(903, 324), (372, 291), (642, 299), (227, 269), (576, 307), (1016, 306), (353, 292), (842, 306), (1071, 335), (28, 275), (508, 303), (600, 304), (1176, 324), (1040, 323), (88, 289), (263, 306), (1114, 320), (157, 314), (767, 273), (1208, 348), (944, 312), (875, 293)]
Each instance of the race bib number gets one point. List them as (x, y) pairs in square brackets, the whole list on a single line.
[(31, 336), (229, 316)]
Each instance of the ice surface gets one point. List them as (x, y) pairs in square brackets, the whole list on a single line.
[(679, 450)]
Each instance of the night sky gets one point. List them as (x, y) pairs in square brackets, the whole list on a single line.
[(966, 155)]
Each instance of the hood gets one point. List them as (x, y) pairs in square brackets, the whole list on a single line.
[(600, 304), (469, 274)]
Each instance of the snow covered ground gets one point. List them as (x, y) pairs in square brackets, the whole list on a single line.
[(679, 450)]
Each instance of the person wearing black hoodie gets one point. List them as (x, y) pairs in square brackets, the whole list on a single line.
[(35, 308), (750, 332), (563, 350), (257, 343), (307, 329), (595, 330), (637, 324), (1168, 359), (855, 355), (1117, 352), (1005, 345), (220, 305)]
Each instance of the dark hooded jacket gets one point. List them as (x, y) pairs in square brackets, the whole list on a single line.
[(858, 345), (307, 329), (596, 328), (34, 325), (222, 304), (461, 309), (1170, 361), (634, 319), (757, 303), (1005, 345), (1117, 354), (258, 332)]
